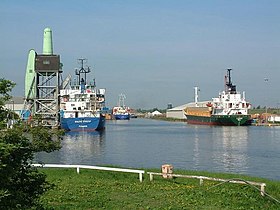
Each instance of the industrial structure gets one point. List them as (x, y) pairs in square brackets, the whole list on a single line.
[(178, 111), (42, 84)]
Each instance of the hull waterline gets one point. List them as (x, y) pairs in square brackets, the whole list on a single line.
[(83, 124), (122, 116), (232, 120)]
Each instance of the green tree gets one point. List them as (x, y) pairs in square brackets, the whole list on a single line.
[(21, 185), (6, 87)]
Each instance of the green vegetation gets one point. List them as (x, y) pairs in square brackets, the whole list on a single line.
[(6, 87), (93, 189), (20, 184), (259, 110), (169, 119)]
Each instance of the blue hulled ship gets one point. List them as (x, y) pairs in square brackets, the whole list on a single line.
[(121, 112), (82, 104)]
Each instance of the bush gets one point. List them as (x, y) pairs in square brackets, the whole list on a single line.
[(21, 185)]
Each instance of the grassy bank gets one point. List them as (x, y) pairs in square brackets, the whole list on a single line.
[(114, 190)]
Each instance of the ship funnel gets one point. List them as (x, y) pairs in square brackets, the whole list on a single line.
[(47, 44)]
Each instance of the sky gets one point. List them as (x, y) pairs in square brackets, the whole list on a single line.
[(153, 51)]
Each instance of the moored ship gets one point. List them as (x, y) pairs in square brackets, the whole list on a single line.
[(82, 104), (229, 109), (121, 112)]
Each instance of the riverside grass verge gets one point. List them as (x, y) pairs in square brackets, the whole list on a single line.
[(93, 189)]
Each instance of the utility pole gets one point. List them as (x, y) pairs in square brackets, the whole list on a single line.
[(266, 81)]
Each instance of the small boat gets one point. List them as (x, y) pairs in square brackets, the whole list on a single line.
[(133, 115), (82, 104), (121, 112), (229, 109)]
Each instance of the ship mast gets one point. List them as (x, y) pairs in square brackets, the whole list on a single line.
[(229, 87), (121, 100), (83, 71), (196, 89)]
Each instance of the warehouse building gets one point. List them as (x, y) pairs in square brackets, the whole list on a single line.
[(179, 113)]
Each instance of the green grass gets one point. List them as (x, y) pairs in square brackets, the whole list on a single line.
[(93, 189)]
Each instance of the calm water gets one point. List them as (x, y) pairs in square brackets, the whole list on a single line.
[(151, 143)]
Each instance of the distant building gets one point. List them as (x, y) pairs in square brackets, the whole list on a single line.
[(274, 118), (178, 111), (156, 113), (15, 104), (153, 114)]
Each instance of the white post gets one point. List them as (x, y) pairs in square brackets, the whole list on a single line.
[(151, 177), (78, 170), (201, 181), (262, 189), (140, 177)]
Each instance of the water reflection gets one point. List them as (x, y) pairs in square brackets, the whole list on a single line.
[(77, 148), (231, 145), (252, 150), (196, 149)]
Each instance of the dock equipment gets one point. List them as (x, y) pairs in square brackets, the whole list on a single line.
[(42, 84)]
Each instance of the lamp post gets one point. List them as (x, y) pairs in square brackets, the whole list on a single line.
[(266, 81)]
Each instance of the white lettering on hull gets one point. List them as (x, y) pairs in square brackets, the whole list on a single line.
[(82, 121)]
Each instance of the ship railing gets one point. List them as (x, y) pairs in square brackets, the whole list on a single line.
[(103, 168), (202, 178)]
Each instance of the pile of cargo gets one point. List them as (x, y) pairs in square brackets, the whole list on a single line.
[(199, 111)]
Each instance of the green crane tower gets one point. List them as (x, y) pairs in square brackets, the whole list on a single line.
[(30, 68), (42, 83), (30, 75), (47, 44)]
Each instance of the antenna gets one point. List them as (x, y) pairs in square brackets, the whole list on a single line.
[(82, 70)]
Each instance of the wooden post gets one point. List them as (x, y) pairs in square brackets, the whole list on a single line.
[(167, 171)]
